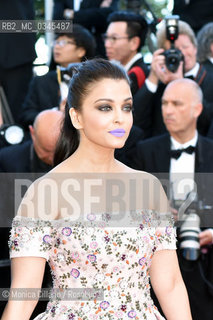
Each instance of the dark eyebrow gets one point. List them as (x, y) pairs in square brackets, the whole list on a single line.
[(110, 100)]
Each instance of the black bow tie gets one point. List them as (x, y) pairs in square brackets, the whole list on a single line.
[(177, 153), (189, 77)]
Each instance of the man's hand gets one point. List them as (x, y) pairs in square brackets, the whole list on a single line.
[(159, 70), (105, 3), (206, 237)]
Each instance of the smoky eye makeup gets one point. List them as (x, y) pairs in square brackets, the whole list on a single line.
[(104, 107), (128, 107)]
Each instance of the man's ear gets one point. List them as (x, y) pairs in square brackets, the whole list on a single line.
[(135, 43), (81, 52), (198, 109), (211, 48), (75, 118), (32, 132)]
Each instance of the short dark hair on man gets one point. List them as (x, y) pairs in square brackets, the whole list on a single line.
[(136, 24), (82, 38)]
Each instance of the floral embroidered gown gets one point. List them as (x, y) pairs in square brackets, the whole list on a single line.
[(115, 260)]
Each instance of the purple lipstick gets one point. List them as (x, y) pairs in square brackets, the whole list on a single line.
[(118, 132)]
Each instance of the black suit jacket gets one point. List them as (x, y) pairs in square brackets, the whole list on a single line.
[(21, 158), (17, 48), (44, 93), (153, 156), (132, 75), (208, 65), (147, 108)]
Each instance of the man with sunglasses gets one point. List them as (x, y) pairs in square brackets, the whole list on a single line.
[(44, 91), (124, 38)]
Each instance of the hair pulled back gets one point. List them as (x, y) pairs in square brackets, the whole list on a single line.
[(85, 75)]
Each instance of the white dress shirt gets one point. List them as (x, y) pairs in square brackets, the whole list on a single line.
[(182, 170), (136, 57)]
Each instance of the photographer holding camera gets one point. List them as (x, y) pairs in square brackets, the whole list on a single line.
[(147, 101), (183, 157)]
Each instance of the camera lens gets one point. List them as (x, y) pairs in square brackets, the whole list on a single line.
[(189, 237), (172, 59)]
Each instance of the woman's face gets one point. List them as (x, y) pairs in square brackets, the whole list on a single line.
[(106, 114)]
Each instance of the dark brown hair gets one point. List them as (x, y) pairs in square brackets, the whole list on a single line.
[(84, 75)]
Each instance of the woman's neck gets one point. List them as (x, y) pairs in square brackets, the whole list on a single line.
[(93, 159)]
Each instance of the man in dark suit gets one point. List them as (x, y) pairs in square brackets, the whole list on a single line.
[(181, 154), (17, 54), (147, 101), (125, 36), (44, 91), (36, 155)]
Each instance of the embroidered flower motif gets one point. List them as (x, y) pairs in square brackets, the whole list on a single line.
[(146, 239), (15, 242), (123, 257), (75, 273), (123, 284), (71, 316), (93, 245), (66, 231), (116, 269), (131, 314), (119, 314), (104, 305), (107, 239), (91, 257), (47, 239), (63, 309), (75, 255), (91, 217), (168, 230), (53, 310), (123, 307), (142, 261)]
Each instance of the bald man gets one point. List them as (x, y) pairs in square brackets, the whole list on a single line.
[(36, 155), (182, 155)]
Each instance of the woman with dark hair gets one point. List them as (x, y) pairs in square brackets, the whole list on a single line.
[(105, 229)]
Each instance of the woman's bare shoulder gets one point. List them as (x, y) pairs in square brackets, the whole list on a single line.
[(139, 173)]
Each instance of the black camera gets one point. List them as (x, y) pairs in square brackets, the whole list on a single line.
[(173, 56)]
